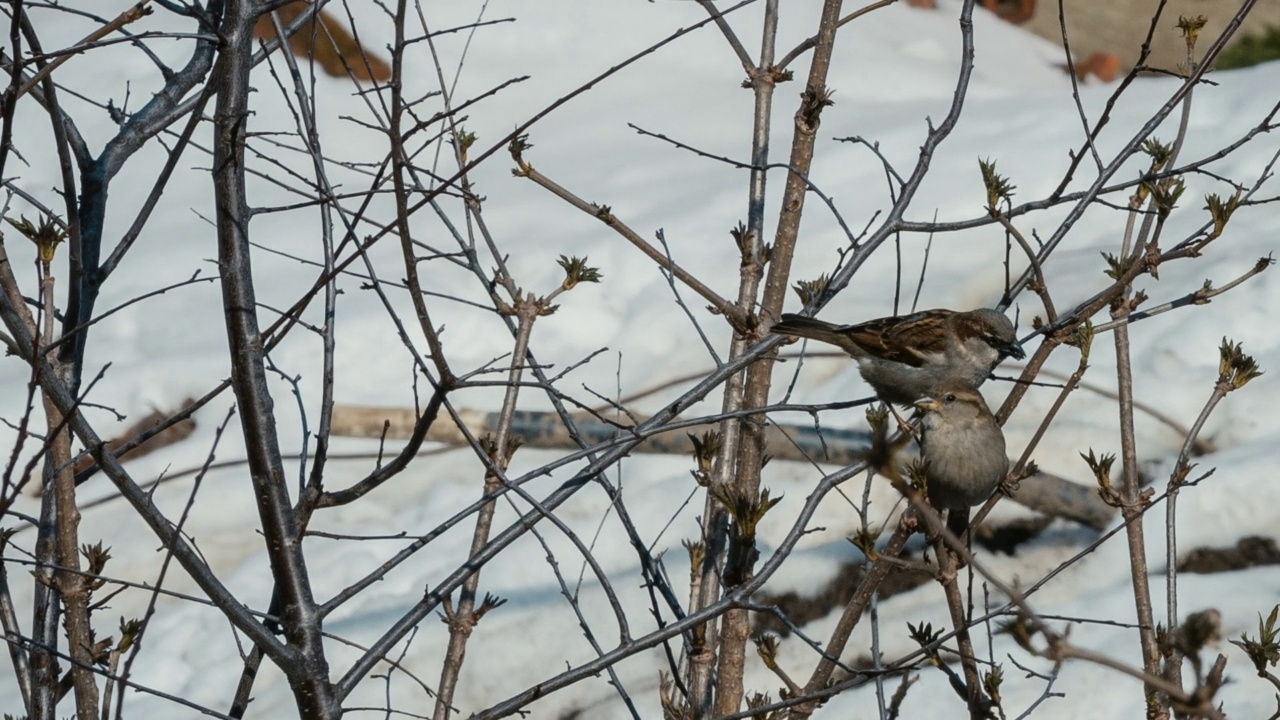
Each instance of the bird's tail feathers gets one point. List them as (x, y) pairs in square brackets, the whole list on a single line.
[(805, 327)]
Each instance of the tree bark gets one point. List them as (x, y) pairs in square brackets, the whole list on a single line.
[(307, 669)]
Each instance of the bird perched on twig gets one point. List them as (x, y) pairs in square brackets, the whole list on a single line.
[(962, 452), (907, 357)]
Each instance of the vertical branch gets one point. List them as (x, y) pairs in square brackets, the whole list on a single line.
[(40, 666), (399, 166), (1190, 29), (1133, 501), (948, 568), (813, 100), (47, 606), (9, 100), (46, 609), (310, 136), (330, 306), (1176, 479), (1133, 505), (750, 243), (462, 620), (764, 78), (750, 456), (1235, 370), (306, 668), (71, 585), (311, 494), (57, 545), (12, 631)]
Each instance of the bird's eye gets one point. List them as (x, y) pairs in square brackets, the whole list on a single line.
[(951, 397)]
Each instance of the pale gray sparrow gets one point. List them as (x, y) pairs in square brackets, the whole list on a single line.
[(907, 357), (962, 452)]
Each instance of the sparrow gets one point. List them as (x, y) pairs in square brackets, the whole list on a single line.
[(908, 357), (962, 452)]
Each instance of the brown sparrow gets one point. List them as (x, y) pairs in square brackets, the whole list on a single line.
[(907, 357), (962, 452)]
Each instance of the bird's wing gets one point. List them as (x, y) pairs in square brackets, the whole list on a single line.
[(906, 339)]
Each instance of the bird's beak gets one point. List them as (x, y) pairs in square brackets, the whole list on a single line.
[(1014, 350), (927, 405)]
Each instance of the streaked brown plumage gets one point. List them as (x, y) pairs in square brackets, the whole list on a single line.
[(907, 357)]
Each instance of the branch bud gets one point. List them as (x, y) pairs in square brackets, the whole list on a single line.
[(516, 147), (810, 290), (1191, 28), (47, 235), (705, 449), (1220, 211), (1235, 369), (576, 270), (999, 189)]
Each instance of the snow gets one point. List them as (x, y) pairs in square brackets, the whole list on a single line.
[(892, 69)]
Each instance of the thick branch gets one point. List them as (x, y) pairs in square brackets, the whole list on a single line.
[(746, 484), (307, 669)]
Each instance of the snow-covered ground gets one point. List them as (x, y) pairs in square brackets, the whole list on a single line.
[(891, 70)]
